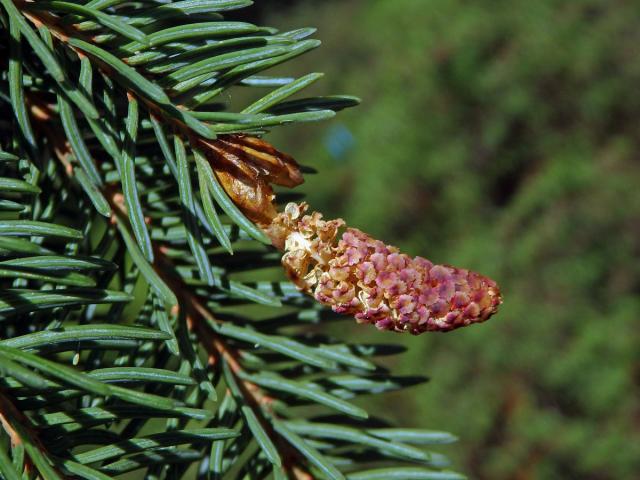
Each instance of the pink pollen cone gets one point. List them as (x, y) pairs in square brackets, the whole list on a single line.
[(361, 276)]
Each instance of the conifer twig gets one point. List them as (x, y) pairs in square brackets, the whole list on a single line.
[(20, 432), (196, 316)]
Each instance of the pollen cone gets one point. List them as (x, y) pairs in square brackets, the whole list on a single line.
[(360, 276)]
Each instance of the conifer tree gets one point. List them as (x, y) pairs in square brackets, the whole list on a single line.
[(142, 328)]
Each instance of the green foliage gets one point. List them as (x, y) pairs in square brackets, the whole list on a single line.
[(130, 339), (502, 136)]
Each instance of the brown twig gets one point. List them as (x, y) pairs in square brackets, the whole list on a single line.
[(197, 316), (17, 426), (7, 406)]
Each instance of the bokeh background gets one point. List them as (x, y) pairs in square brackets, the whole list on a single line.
[(502, 136)]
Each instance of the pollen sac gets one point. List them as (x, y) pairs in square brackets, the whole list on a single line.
[(360, 276)]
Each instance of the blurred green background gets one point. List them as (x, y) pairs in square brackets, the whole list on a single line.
[(501, 136)]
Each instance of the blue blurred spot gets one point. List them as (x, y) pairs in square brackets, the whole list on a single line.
[(339, 141)]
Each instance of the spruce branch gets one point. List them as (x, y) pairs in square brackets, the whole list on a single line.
[(130, 338), (258, 412), (262, 420)]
